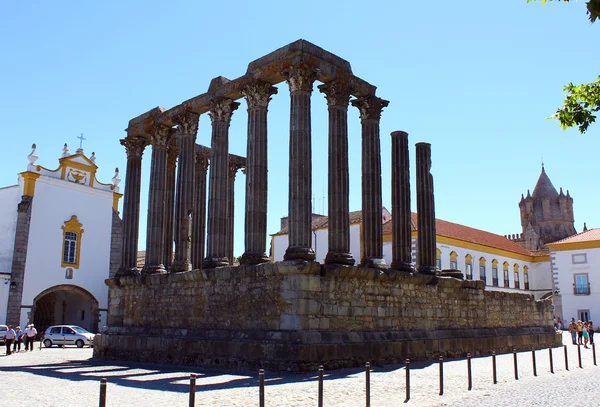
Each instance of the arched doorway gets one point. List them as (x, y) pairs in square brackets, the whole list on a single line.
[(65, 304)]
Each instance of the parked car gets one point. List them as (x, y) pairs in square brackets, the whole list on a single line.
[(3, 329), (62, 335)]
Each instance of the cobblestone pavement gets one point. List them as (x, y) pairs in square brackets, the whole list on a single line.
[(59, 377)]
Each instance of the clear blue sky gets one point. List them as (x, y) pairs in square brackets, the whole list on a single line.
[(475, 79)]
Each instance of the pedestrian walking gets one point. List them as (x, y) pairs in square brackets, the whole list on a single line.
[(18, 339), (30, 333), (586, 336), (591, 332), (573, 331), (9, 337)]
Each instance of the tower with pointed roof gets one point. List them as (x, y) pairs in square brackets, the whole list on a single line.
[(546, 215)]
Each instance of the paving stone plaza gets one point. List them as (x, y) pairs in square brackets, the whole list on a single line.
[(74, 378)]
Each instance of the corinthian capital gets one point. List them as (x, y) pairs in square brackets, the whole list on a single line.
[(300, 77), (187, 123), (172, 153), (221, 109), (336, 92), (233, 169), (370, 107), (134, 146), (160, 137), (258, 94), (201, 163)]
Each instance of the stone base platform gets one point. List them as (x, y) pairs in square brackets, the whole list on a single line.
[(305, 351), (295, 315)]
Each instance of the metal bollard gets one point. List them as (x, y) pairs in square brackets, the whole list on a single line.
[(494, 367), (407, 380), (470, 378), (261, 388), (594, 353), (368, 383), (551, 361), (579, 355), (533, 361), (192, 390), (321, 386), (566, 358), (515, 363), (441, 375), (102, 392)]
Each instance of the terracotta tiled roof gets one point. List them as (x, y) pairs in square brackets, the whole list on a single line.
[(321, 222), (587, 236), (472, 235), (141, 259)]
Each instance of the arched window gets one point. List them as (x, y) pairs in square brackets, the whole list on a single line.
[(72, 232), (516, 273), (482, 276), (453, 262), (495, 273), (526, 277), (469, 267), (505, 273), (438, 259)]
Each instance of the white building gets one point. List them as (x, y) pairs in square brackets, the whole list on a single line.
[(57, 229), (500, 262), (575, 261)]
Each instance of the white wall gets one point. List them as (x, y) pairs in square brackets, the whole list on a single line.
[(566, 271), (54, 203), (9, 200)]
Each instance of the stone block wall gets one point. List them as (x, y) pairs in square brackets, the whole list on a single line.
[(295, 315)]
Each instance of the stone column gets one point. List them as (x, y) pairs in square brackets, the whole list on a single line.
[(134, 147), (425, 211), (257, 96), (172, 152), (220, 114), (199, 216), (370, 108), (401, 216), (233, 169), (300, 79), (338, 96), (156, 201), (187, 129)]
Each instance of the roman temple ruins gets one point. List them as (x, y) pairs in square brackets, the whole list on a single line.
[(198, 308)]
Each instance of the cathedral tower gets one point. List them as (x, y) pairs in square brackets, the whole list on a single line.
[(546, 215)]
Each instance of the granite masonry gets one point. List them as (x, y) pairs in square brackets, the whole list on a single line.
[(295, 314)]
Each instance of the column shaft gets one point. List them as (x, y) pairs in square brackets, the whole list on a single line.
[(338, 96), (172, 152), (199, 216), (425, 211), (257, 96), (220, 114), (131, 204), (401, 216), (300, 79), (156, 202), (233, 168), (372, 231), (187, 129)]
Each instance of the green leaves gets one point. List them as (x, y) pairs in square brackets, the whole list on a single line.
[(593, 8), (581, 102)]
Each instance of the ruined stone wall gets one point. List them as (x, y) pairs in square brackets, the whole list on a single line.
[(283, 296), (296, 316)]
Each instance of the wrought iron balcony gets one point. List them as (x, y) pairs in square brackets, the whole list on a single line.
[(581, 289)]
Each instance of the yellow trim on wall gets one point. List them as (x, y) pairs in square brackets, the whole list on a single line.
[(494, 263), (505, 265), (29, 179), (593, 244), (453, 256), (487, 249), (116, 197), (468, 258), (516, 268), (72, 225), (482, 261)]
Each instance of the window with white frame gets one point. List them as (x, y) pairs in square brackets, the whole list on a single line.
[(581, 286), (70, 248)]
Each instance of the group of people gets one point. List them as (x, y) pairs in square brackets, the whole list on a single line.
[(13, 338), (582, 333)]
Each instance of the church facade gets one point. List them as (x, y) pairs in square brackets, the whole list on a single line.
[(60, 240)]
